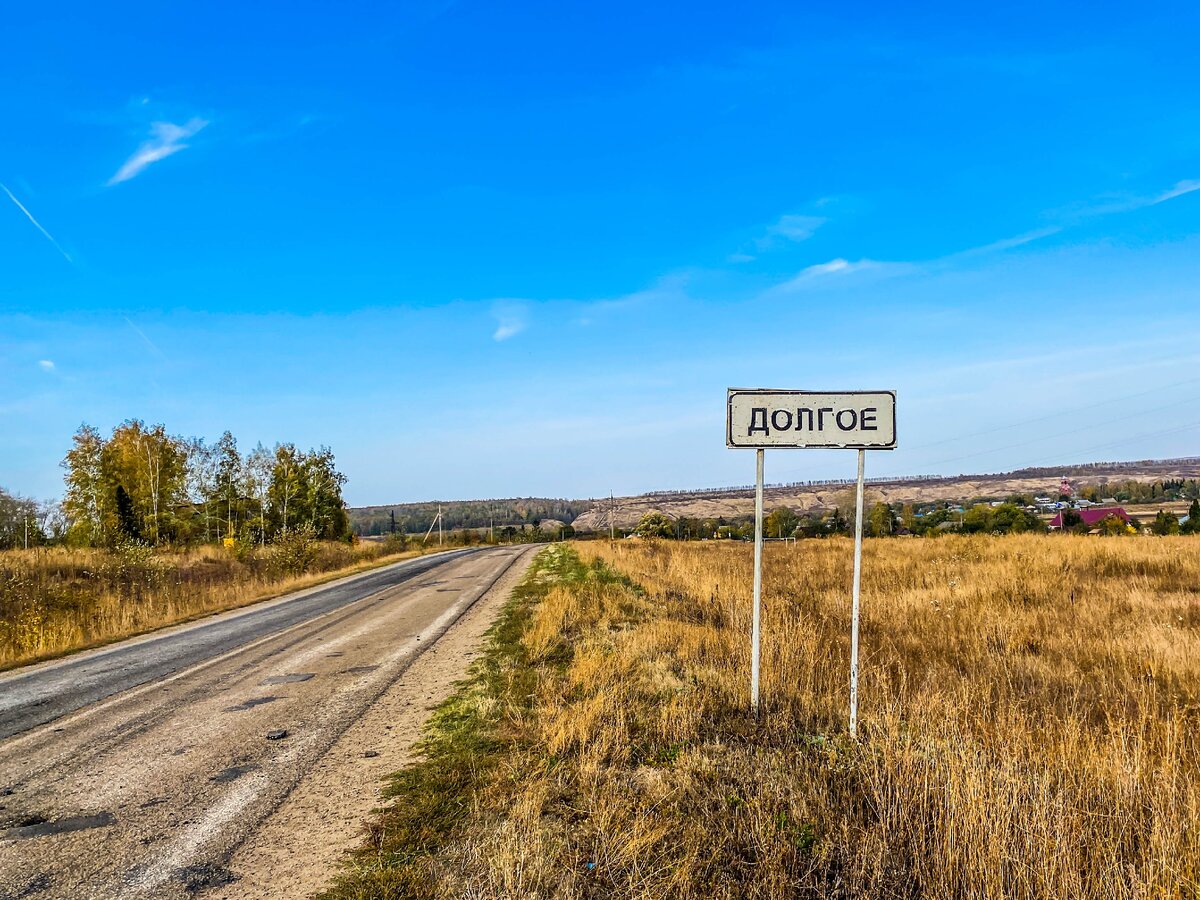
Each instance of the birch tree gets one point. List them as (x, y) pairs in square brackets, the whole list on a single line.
[(84, 501), (259, 465)]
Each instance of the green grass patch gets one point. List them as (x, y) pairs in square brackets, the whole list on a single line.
[(467, 737)]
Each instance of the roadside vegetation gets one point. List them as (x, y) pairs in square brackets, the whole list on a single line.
[(1029, 727), (155, 529), (57, 599)]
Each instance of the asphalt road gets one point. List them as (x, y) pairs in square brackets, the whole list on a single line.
[(136, 770)]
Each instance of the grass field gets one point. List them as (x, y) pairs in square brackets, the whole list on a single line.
[(1029, 728), (55, 600)]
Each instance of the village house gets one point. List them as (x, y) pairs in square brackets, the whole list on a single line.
[(1093, 516)]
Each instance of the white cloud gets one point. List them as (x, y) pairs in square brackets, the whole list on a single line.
[(505, 330), (796, 228), (1181, 188), (166, 139), (793, 228), (1123, 203), (840, 268), (835, 266), (511, 318), (1006, 243), (47, 365)]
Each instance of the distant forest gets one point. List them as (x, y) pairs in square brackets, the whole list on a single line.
[(417, 517)]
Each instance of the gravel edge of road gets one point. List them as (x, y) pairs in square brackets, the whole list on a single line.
[(300, 846)]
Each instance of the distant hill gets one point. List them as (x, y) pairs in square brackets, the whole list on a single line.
[(737, 502), (417, 517)]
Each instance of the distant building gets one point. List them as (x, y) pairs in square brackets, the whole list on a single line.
[(1094, 516)]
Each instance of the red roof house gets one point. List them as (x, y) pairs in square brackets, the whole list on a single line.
[(1093, 516)]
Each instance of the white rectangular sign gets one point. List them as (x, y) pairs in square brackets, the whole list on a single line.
[(863, 420)]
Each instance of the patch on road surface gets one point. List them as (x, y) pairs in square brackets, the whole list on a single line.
[(43, 828), (38, 884), (233, 773), (200, 877), (358, 670), (289, 679), (250, 704)]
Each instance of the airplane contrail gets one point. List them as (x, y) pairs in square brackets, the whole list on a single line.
[(37, 224), (142, 335)]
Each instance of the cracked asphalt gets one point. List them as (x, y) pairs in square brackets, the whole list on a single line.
[(139, 770)]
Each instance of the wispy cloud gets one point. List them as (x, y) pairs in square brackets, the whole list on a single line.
[(505, 330), (665, 289), (822, 273), (46, 365), (1019, 240), (837, 269), (796, 228), (789, 229), (511, 319), (1181, 188), (1123, 203), (166, 139), (792, 228), (37, 224)]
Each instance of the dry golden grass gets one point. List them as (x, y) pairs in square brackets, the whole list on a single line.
[(56, 600), (1029, 729)]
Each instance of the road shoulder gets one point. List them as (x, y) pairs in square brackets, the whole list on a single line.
[(303, 841)]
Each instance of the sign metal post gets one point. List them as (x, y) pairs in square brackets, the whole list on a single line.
[(756, 627), (858, 529), (757, 419)]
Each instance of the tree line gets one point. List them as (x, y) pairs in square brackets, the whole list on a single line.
[(25, 522), (144, 484), (883, 519), (458, 514)]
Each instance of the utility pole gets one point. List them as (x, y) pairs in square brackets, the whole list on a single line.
[(26, 532), (612, 528), (439, 518)]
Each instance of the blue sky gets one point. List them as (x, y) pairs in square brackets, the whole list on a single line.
[(509, 249)]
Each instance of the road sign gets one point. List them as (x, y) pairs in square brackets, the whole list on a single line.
[(853, 420), (757, 418)]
